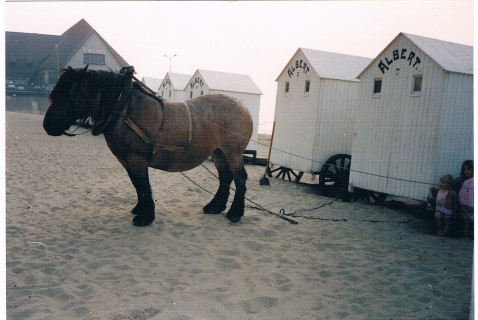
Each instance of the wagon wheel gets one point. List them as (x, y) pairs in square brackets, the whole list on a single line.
[(334, 176), (282, 172), (367, 196)]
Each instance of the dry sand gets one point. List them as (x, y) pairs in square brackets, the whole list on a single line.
[(72, 252)]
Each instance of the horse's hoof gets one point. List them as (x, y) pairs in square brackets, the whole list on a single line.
[(211, 209), (141, 221), (234, 218)]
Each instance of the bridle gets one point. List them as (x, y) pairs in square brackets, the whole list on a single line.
[(90, 105)]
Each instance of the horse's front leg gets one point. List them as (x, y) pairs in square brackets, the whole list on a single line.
[(144, 210)]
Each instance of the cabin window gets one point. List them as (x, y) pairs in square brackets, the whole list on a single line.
[(93, 58), (190, 94), (170, 93), (287, 86), (162, 93), (417, 83), (377, 86), (202, 92), (307, 86)]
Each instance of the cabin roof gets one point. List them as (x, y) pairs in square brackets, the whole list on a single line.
[(152, 83), (451, 56), (233, 82), (179, 81), (333, 65)]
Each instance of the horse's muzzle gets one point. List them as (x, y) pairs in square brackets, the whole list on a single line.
[(53, 129)]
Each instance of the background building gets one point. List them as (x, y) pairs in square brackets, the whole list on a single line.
[(152, 83), (173, 86), (33, 61)]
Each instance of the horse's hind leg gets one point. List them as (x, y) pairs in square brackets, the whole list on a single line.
[(236, 211), (219, 202)]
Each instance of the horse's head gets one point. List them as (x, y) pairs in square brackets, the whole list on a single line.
[(69, 102)]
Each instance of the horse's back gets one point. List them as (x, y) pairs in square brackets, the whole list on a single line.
[(225, 115), (221, 104)]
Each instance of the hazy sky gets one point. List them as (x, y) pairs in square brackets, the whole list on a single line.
[(253, 38)]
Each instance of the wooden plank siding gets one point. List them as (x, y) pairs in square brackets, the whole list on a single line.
[(295, 121), (334, 120), (404, 141)]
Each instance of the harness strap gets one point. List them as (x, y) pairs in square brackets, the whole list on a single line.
[(190, 122), (138, 131), (130, 123)]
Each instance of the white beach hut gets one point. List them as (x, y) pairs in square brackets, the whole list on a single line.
[(316, 97), (173, 86), (415, 122), (239, 86)]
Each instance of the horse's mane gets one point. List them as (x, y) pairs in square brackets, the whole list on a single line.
[(106, 91), (108, 84), (111, 84)]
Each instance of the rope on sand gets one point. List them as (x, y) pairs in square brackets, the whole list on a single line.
[(296, 214)]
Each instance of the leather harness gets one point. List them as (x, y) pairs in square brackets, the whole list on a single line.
[(150, 142), (124, 98)]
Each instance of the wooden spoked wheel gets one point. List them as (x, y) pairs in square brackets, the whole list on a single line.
[(286, 173), (334, 176)]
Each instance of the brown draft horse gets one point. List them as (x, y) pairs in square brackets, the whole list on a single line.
[(145, 131)]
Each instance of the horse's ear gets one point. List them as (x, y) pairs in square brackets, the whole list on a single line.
[(85, 68), (69, 68)]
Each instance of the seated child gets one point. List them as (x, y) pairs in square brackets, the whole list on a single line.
[(446, 204)]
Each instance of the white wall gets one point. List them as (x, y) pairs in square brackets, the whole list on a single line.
[(168, 92)]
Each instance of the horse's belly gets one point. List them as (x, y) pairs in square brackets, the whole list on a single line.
[(177, 161)]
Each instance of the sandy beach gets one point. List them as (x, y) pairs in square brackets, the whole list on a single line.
[(73, 253)]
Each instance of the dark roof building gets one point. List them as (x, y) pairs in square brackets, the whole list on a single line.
[(37, 58)]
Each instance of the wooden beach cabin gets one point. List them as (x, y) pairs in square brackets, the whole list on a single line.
[(173, 86), (238, 86), (314, 111), (415, 119)]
